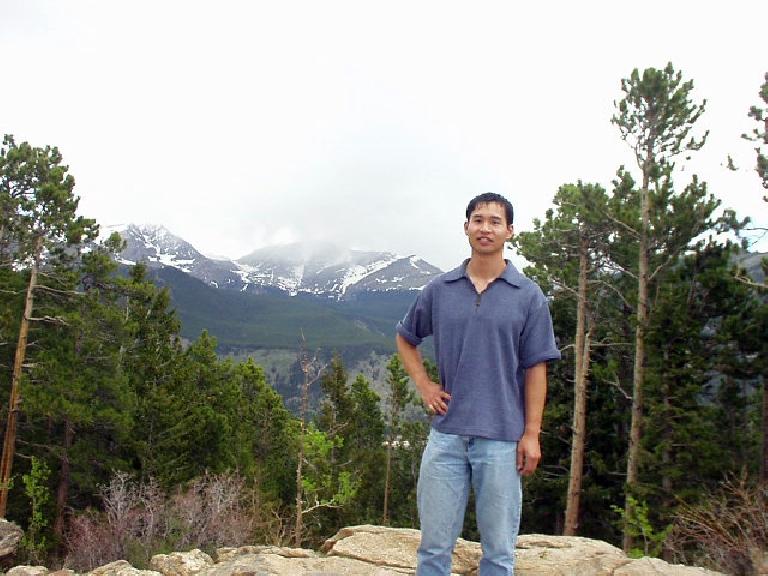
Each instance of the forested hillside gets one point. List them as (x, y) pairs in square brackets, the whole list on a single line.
[(122, 439)]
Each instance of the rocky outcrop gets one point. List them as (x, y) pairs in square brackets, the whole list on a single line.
[(122, 568), (379, 551), (10, 536), (178, 564), (27, 571)]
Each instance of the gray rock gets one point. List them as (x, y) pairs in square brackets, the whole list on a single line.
[(394, 547), (224, 554), (121, 568), (10, 536), (277, 565), (181, 563), (646, 566), (542, 555), (27, 571)]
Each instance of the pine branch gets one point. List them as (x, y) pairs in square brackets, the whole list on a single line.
[(661, 266), (613, 266), (617, 292), (611, 344), (319, 504), (51, 319), (744, 279), (624, 225), (618, 387), (45, 288)]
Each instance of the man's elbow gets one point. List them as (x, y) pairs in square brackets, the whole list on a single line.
[(402, 344)]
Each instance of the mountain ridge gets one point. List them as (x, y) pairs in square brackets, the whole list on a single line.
[(324, 269)]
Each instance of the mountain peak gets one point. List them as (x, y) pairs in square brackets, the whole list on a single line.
[(319, 268)]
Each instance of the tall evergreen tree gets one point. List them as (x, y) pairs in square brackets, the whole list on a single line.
[(39, 216), (150, 358), (399, 397), (568, 250), (366, 445), (701, 369), (78, 404), (267, 429), (759, 135), (655, 117)]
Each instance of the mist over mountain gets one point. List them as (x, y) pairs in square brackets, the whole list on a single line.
[(321, 269)]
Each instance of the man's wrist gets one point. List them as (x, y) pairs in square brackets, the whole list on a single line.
[(422, 382)]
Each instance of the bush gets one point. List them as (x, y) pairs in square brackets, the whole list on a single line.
[(139, 521), (728, 531)]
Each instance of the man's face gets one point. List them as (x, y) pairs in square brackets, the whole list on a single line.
[(487, 229)]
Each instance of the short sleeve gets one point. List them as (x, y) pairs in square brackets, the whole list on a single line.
[(417, 323), (537, 341)]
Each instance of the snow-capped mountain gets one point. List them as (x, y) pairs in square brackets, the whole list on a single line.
[(156, 246), (320, 269)]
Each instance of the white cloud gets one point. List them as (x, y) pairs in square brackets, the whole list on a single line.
[(243, 124)]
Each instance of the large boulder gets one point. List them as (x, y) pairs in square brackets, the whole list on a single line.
[(394, 547), (10, 536), (181, 563), (537, 555), (27, 571), (541, 555), (121, 568)]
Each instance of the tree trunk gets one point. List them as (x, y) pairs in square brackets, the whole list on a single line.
[(305, 364), (9, 441), (764, 462), (385, 518), (298, 527), (62, 491), (666, 449), (580, 370), (638, 375)]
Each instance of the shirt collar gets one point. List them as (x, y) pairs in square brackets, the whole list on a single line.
[(510, 274)]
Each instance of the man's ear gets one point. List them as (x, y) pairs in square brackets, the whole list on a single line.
[(510, 232), (466, 227)]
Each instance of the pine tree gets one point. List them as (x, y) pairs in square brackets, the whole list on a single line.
[(760, 135), (78, 405), (39, 216), (655, 117), (702, 360), (569, 251), (150, 357), (399, 397)]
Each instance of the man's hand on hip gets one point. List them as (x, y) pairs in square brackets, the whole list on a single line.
[(434, 397)]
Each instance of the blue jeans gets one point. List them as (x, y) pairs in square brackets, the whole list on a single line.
[(448, 466)]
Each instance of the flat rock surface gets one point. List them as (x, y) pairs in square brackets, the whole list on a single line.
[(369, 550)]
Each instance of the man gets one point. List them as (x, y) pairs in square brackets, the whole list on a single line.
[(493, 337)]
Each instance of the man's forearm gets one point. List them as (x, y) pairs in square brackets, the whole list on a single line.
[(535, 397), (432, 395), (412, 361)]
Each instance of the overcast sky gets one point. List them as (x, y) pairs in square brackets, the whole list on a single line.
[(240, 124)]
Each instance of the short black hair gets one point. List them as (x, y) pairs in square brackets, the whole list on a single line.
[(488, 198)]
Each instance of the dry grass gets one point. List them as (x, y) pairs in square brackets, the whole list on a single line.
[(728, 531), (139, 520)]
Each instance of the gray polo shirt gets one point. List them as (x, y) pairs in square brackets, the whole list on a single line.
[(483, 343)]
